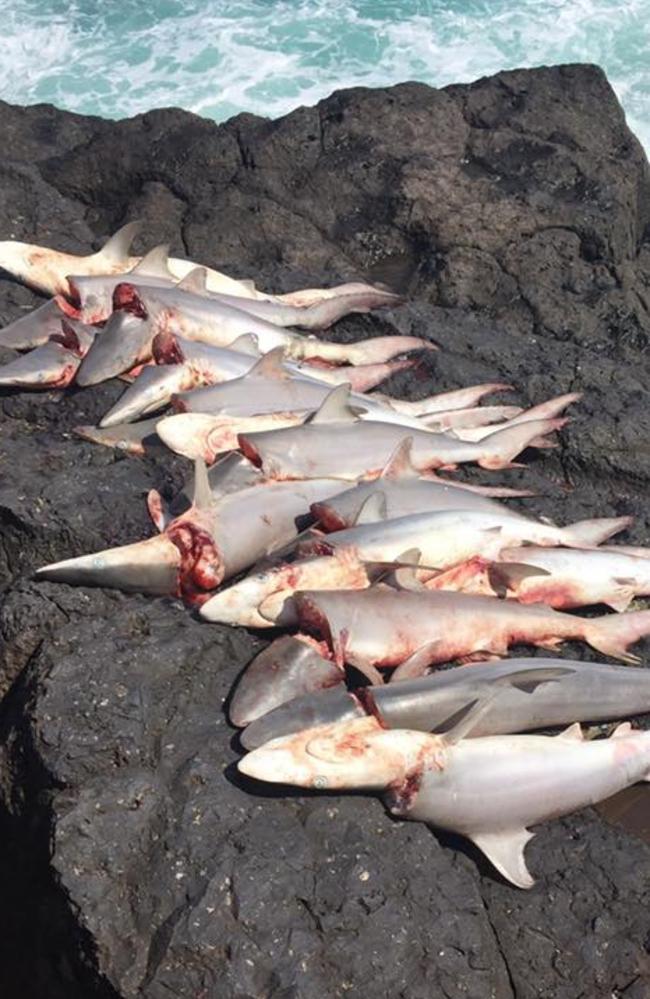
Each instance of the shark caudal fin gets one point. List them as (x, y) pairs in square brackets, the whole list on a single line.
[(379, 349), (613, 634), (590, 533), (501, 447)]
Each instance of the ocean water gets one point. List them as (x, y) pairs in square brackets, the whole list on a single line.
[(218, 57)]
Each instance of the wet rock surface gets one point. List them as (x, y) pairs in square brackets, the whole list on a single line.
[(135, 861)]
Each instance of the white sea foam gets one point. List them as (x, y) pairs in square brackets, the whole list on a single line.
[(218, 57)]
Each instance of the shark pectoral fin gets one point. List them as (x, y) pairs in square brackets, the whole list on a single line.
[(247, 343), (154, 263), (202, 493), (621, 602), (505, 850), (336, 407), (405, 574), (157, 510), (371, 673), (526, 680), (505, 576), (626, 590), (400, 465), (399, 574), (116, 249), (372, 509), (529, 680), (195, 281), (416, 664)]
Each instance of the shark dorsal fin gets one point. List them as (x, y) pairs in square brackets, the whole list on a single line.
[(372, 509), (202, 492), (154, 263), (116, 249), (505, 849), (247, 343), (625, 728), (270, 365), (573, 733), (400, 465), (335, 407), (195, 281)]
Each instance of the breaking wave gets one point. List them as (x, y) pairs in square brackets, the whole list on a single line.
[(219, 57)]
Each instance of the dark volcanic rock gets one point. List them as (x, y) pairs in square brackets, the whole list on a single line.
[(135, 861)]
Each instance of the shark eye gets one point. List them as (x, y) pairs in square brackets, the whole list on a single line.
[(320, 782)]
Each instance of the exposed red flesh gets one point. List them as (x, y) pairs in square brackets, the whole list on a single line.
[(555, 594), (68, 339), (320, 362), (328, 518), (315, 546), (201, 569), (126, 299), (166, 349), (401, 795), (69, 308), (65, 378), (178, 405), (249, 450), (322, 648)]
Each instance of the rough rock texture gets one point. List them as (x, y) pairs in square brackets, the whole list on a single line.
[(135, 862)]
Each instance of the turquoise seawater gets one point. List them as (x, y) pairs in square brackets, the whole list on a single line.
[(217, 57)]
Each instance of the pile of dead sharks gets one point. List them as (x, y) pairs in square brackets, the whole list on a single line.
[(317, 508)]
